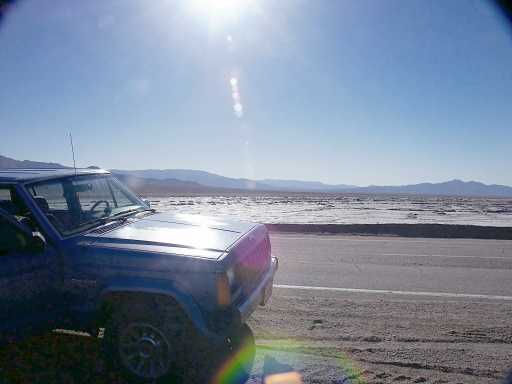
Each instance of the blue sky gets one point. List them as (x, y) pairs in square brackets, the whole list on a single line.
[(357, 92)]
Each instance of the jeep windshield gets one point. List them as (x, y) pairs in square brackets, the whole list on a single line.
[(79, 203)]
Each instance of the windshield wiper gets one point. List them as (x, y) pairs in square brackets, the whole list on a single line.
[(120, 216), (124, 214), (100, 221)]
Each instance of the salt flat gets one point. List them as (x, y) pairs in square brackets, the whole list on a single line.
[(325, 208)]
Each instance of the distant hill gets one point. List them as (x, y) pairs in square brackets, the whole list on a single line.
[(213, 180), (7, 162), (157, 187), (202, 177), (298, 185), (453, 188)]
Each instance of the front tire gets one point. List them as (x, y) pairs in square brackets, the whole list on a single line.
[(145, 339)]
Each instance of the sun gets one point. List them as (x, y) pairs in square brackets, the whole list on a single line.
[(219, 12)]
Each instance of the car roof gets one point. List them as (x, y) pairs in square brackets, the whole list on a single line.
[(16, 175)]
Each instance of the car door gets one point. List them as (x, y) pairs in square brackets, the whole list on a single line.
[(29, 281)]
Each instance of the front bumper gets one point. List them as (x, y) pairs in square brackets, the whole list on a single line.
[(228, 320), (261, 293)]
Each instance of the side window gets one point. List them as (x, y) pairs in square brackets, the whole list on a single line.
[(6, 202), (11, 239), (11, 202), (53, 193), (5, 193), (50, 198)]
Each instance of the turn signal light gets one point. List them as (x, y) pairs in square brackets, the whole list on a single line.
[(223, 290)]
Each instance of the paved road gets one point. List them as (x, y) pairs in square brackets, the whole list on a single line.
[(451, 268)]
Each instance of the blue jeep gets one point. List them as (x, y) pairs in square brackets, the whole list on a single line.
[(78, 250)]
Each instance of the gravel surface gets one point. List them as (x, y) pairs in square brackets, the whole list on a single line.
[(386, 341)]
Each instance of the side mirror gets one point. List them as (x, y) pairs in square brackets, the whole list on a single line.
[(37, 242), (146, 201)]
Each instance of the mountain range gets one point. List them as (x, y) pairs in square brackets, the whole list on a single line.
[(163, 181), (7, 162), (213, 180)]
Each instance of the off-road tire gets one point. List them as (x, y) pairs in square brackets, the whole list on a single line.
[(167, 329)]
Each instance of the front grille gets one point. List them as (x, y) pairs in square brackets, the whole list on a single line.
[(252, 264)]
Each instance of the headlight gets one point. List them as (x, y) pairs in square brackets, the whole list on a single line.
[(226, 286)]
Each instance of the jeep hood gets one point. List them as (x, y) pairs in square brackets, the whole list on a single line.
[(179, 234)]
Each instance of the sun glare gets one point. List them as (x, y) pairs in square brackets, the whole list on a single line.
[(218, 12)]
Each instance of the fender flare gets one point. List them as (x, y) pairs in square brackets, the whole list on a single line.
[(167, 288)]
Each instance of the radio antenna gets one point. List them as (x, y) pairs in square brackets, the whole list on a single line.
[(72, 150)]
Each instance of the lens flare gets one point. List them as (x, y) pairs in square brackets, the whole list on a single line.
[(238, 107), (284, 378), (349, 368), (234, 369)]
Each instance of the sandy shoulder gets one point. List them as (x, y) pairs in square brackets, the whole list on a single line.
[(390, 340)]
